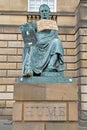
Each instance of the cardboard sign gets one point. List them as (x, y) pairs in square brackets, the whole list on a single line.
[(45, 24)]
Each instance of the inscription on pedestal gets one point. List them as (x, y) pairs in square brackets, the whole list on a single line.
[(45, 111)]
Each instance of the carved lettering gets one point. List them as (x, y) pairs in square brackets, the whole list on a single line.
[(44, 111)]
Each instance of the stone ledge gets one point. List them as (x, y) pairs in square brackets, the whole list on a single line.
[(83, 123), (45, 91), (44, 126)]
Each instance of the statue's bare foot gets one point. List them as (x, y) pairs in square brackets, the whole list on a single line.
[(28, 74)]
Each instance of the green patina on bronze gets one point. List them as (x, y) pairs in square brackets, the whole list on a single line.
[(45, 79), (43, 51)]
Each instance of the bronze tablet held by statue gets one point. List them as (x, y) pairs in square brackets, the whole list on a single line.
[(28, 34)]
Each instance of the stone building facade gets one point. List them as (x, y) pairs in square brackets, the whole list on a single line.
[(71, 17)]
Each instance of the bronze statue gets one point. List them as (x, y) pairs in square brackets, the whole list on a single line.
[(42, 50)]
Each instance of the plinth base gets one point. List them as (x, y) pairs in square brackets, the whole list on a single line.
[(45, 105)]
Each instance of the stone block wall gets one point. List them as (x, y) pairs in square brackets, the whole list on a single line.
[(11, 16), (81, 47), (10, 65)]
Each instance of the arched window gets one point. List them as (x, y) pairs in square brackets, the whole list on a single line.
[(33, 5)]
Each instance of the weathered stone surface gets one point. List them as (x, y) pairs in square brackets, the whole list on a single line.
[(45, 91), (70, 73), (66, 21), (5, 95), (82, 12), (83, 80), (3, 73), (3, 58), (83, 72), (70, 52), (67, 5), (62, 126), (28, 126), (82, 23), (83, 124), (70, 59), (62, 92), (14, 73), (83, 115), (13, 44), (2, 104), (83, 88), (5, 81), (84, 106), (29, 91), (69, 45), (9, 104), (41, 126), (12, 19), (3, 44), (66, 30), (8, 51), (7, 66), (10, 5), (10, 88), (62, 37), (82, 31), (8, 36), (14, 58), (70, 66), (84, 97), (45, 111), (2, 88), (17, 111), (70, 37), (83, 39), (84, 55), (11, 29), (7, 111), (73, 111)]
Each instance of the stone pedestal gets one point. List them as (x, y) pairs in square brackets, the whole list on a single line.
[(45, 105)]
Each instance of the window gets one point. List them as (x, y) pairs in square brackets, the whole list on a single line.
[(33, 5)]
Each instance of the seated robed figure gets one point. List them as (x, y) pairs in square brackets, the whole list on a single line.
[(45, 53)]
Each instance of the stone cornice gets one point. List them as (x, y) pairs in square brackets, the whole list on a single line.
[(35, 13)]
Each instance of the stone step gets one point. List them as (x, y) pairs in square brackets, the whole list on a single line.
[(7, 125)]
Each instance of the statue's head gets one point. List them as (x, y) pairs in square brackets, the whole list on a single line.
[(44, 11)]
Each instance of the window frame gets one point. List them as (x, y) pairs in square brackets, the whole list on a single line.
[(55, 9)]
